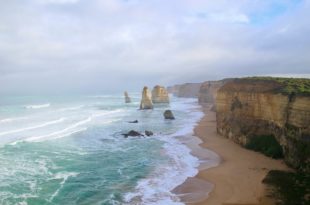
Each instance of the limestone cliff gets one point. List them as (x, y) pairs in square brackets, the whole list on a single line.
[(187, 90), (208, 90), (146, 101), (254, 107), (160, 94)]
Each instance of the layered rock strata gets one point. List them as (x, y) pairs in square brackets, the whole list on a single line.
[(248, 108)]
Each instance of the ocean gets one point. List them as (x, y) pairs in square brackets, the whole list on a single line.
[(70, 150)]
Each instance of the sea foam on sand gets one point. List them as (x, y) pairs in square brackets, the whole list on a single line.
[(157, 188)]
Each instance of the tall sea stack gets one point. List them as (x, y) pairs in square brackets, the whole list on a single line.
[(146, 101)]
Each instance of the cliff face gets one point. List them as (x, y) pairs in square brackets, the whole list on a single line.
[(174, 89), (160, 94), (146, 101), (188, 90), (208, 90), (248, 108)]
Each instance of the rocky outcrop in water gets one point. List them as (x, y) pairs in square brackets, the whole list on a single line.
[(146, 101), (148, 133), (135, 121), (169, 115), (188, 90), (251, 108), (133, 133), (127, 98), (160, 94)]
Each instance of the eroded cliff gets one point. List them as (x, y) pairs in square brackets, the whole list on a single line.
[(253, 108), (187, 90), (208, 90)]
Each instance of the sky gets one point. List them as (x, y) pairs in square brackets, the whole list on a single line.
[(105, 46)]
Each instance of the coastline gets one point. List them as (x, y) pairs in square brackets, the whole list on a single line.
[(235, 180)]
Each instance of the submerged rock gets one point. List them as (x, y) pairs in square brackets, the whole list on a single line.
[(133, 133), (146, 101), (169, 115), (160, 94), (135, 121), (127, 98), (148, 133)]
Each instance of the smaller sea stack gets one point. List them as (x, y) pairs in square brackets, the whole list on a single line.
[(127, 98)]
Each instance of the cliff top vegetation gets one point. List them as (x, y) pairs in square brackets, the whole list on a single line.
[(298, 86)]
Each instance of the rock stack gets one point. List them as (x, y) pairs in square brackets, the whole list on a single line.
[(160, 94), (169, 115), (127, 98), (146, 101)]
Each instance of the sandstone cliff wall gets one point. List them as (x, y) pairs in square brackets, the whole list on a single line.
[(208, 90), (250, 108), (187, 90)]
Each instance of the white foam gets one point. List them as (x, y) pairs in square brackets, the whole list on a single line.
[(38, 106), (104, 113), (7, 120), (156, 189), (63, 132), (64, 176), (33, 127), (72, 108)]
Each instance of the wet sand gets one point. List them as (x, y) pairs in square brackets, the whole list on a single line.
[(237, 177)]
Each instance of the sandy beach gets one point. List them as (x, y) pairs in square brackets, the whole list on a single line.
[(237, 178)]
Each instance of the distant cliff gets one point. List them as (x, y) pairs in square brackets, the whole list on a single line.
[(252, 109), (187, 90), (208, 90)]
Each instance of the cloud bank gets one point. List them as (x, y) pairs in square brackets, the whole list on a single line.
[(95, 46)]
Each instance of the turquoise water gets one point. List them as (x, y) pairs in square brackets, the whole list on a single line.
[(69, 150)]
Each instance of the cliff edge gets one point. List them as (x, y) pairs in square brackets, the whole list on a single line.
[(252, 110)]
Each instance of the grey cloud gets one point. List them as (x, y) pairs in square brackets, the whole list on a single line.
[(87, 46)]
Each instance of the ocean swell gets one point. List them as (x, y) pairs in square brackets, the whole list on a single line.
[(38, 106)]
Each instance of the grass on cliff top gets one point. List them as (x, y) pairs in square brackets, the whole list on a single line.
[(289, 188), (299, 86)]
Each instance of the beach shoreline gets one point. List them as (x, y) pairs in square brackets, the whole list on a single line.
[(235, 180)]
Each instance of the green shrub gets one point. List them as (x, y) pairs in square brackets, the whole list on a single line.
[(291, 86), (289, 188), (266, 144)]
